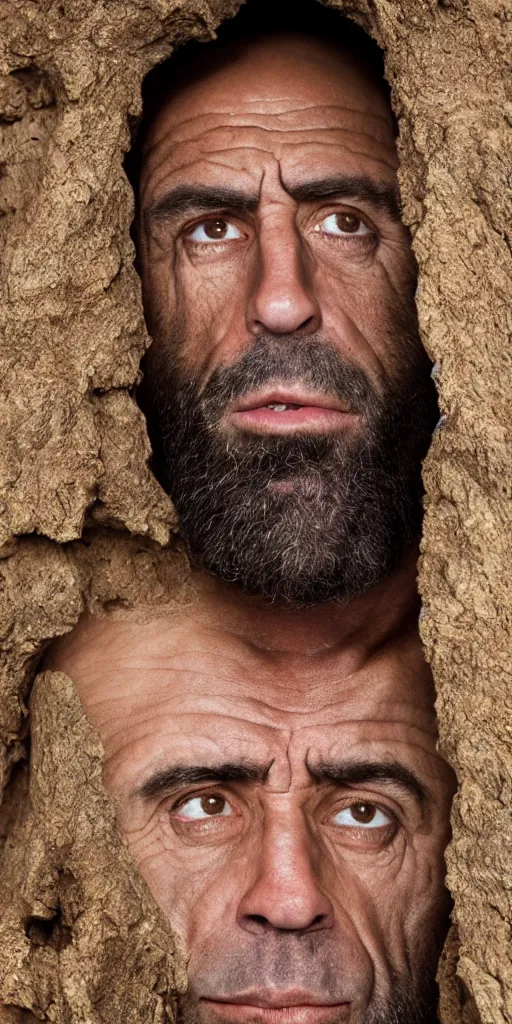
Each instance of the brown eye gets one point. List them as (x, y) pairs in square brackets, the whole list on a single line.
[(363, 813), (348, 222), (213, 804), (208, 805), (215, 228), (342, 224)]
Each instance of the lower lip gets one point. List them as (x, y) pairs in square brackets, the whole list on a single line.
[(314, 418), (244, 1013)]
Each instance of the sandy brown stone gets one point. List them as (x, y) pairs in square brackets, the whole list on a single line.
[(80, 937), (83, 938)]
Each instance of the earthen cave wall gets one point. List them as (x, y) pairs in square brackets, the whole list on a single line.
[(83, 521)]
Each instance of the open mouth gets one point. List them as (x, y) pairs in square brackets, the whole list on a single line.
[(281, 406), (281, 412)]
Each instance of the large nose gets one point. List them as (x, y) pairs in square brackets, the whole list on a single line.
[(284, 892), (282, 297)]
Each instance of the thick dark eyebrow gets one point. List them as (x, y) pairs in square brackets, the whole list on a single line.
[(350, 773), (185, 199), (196, 198), (381, 195), (178, 775)]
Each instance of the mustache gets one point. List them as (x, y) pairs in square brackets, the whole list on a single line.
[(311, 361), (276, 964), (356, 498), (314, 963)]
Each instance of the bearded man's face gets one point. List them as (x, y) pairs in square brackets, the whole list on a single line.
[(304, 516), (287, 393)]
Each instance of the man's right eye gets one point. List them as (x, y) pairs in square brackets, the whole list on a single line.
[(216, 229), (200, 808)]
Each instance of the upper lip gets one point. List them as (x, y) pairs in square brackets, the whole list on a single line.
[(275, 1000), (290, 396)]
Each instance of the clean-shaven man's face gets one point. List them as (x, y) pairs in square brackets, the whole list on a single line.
[(286, 389), (289, 818)]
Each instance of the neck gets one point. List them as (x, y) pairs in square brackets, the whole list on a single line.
[(360, 625)]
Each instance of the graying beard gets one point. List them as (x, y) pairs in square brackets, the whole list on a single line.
[(355, 506)]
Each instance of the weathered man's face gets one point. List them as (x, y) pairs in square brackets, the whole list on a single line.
[(286, 387), (289, 817), (306, 235)]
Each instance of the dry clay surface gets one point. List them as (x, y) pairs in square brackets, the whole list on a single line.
[(81, 940)]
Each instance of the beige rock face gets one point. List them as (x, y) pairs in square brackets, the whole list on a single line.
[(81, 940)]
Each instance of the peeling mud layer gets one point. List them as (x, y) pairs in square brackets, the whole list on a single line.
[(81, 941)]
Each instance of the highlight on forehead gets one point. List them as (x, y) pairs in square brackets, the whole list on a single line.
[(256, 22), (287, 67)]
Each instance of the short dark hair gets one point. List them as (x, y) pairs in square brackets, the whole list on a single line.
[(255, 19)]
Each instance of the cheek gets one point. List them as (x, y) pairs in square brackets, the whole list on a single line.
[(193, 885), (208, 288), (159, 292), (408, 907), (361, 309), (395, 901), (426, 896), (211, 302)]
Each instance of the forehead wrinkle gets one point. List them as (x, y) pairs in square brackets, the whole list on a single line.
[(304, 147), (217, 159), (175, 135), (221, 718), (411, 735), (237, 119), (153, 178), (268, 129), (155, 694), (191, 748), (287, 136)]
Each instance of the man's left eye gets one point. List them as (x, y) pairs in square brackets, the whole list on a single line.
[(342, 224), (198, 808), (215, 229), (362, 815)]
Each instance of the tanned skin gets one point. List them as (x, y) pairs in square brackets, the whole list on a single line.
[(269, 221), (275, 769), (278, 783), (287, 114)]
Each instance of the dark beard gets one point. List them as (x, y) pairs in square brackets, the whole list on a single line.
[(355, 504), (405, 1008)]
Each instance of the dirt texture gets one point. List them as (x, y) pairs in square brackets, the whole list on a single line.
[(84, 523)]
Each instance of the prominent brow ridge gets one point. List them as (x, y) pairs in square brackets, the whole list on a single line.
[(343, 773), (178, 775), (185, 199), (382, 195), (195, 198), (350, 773)]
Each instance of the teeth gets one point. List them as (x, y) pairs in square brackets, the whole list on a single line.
[(281, 406)]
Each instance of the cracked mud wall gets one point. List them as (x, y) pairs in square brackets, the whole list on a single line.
[(80, 938)]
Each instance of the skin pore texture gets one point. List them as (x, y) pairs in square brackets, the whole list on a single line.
[(287, 392), (277, 781)]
